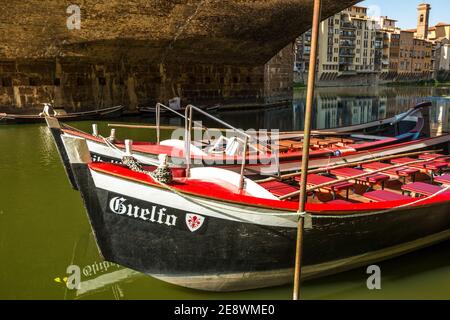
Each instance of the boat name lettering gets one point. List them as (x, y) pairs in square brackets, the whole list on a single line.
[(119, 206)]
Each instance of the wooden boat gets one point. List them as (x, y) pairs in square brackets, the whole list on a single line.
[(284, 154), (207, 230), (8, 118)]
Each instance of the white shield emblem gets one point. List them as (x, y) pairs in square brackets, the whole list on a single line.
[(194, 221)]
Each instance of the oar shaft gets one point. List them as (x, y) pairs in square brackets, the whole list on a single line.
[(139, 126)]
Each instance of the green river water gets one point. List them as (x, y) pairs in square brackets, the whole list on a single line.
[(44, 228)]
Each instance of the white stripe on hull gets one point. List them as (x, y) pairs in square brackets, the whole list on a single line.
[(207, 207), (262, 279)]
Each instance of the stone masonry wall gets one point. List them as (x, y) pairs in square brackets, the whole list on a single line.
[(279, 76), (77, 84)]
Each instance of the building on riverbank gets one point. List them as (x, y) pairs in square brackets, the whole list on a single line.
[(441, 63), (356, 49), (424, 51), (440, 36), (347, 44), (415, 57), (302, 51), (388, 48), (352, 46)]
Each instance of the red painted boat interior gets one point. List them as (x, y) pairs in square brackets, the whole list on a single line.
[(383, 195), (444, 179), (401, 171), (422, 188), (220, 191), (316, 179)]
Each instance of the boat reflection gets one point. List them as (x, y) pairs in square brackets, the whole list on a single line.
[(89, 274)]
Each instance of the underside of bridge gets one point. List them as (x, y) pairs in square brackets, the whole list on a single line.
[(141, 51)]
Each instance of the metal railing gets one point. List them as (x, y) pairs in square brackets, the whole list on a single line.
[(158, 118), (188, 137)]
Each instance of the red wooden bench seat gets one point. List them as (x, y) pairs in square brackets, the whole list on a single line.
[(434, 166), (442, 157), (373, 179), (316, 179), (427, 156), (430, 165), (278, 188), (371, 144), (400, 171), (383, 195), (421, 188), (445, 179)]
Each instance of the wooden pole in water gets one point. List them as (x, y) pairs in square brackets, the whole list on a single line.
[(306, 141)]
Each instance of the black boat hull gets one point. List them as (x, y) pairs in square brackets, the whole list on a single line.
[(226, 254)]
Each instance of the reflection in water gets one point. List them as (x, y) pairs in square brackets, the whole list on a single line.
[(95, 275), (333, 112), (46, 152), (336, 107)]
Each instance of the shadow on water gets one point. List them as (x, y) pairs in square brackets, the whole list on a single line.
[(43, 226)]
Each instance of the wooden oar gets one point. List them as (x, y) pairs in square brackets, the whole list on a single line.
[(362, 175), (348, 164), (139, 126), (298, 134)]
